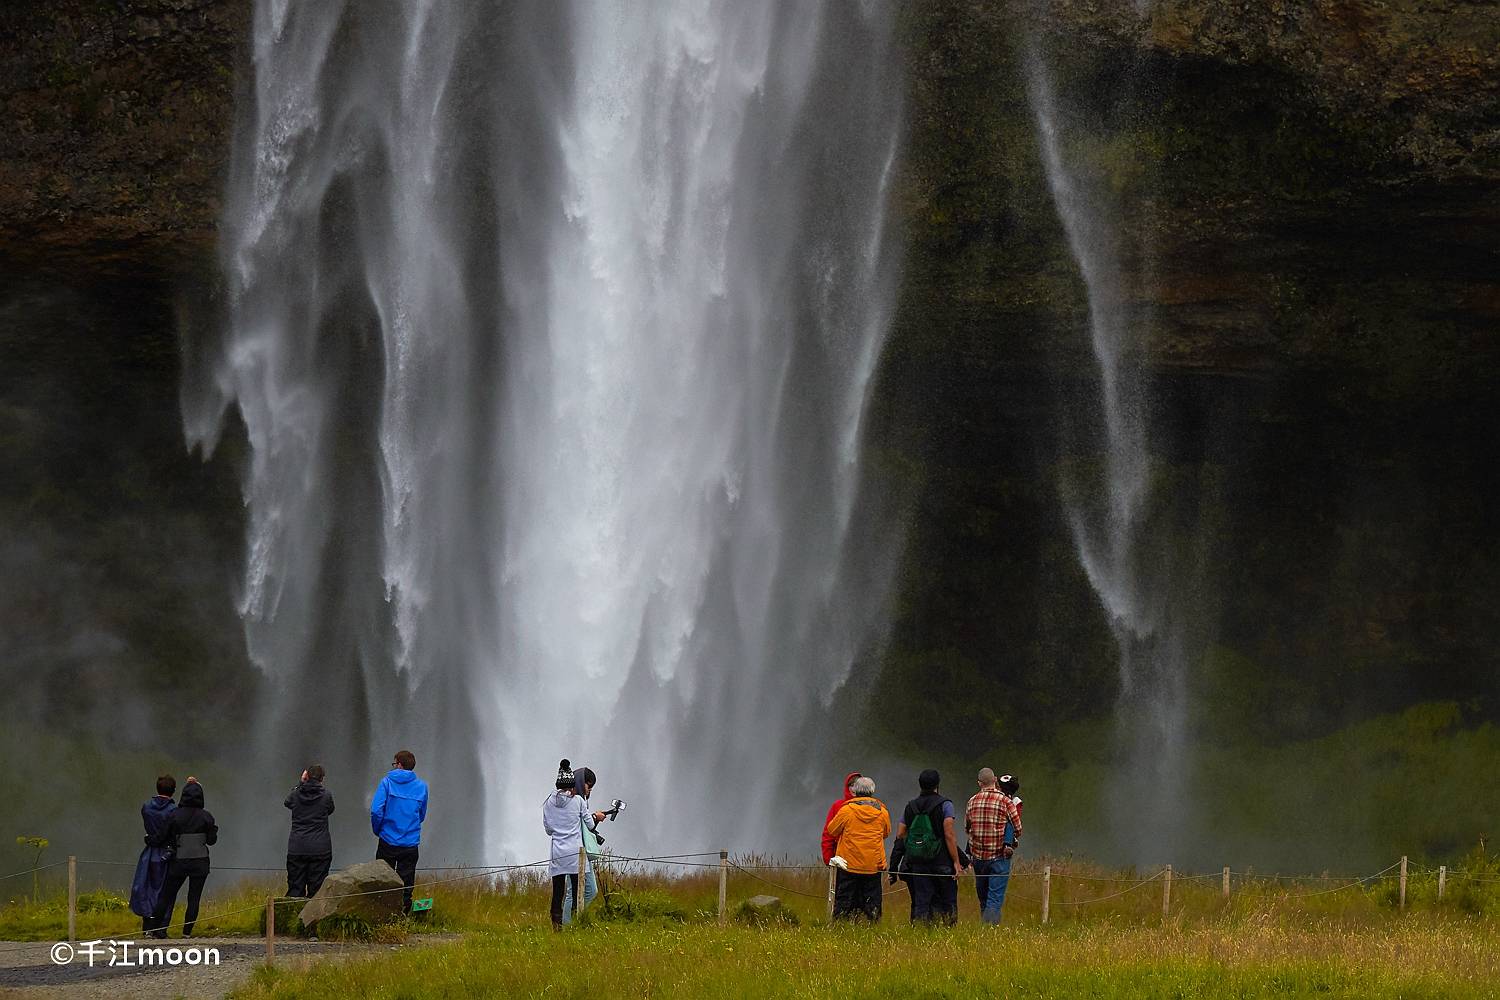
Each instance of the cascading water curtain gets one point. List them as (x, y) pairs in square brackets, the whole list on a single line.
[(551, 328)]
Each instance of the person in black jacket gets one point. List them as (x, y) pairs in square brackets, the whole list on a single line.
[(309, 848), (926, 854), (187, 834)]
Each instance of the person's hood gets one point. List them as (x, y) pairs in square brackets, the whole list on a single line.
[(310, 791), (161, 804), (401, 776), (849, 780), (192, 795), (864, 809)]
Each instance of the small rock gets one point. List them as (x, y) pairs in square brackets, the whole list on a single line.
[(762, 911)]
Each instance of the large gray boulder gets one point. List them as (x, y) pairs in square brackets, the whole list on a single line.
[(370, 891)]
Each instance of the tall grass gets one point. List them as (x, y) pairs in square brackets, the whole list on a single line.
[(1414, 958)]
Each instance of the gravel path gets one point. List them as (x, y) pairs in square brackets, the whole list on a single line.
[(27, 971)]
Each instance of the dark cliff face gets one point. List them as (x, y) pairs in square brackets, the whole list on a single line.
[(1283, 176), (117, 608), (1306, 200), (118, 115), (1422, 79), (1307, 197)]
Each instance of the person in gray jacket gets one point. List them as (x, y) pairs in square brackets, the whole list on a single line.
[(309, 847)]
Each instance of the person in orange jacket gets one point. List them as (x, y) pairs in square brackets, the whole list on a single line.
[(859, 830), (838, 804)]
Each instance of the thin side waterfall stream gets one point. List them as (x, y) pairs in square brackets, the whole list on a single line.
[(552, 334), (1137, 558)]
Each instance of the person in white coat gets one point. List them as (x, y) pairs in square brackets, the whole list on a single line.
[(565, 815)]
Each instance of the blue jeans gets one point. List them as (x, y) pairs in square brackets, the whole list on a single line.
[(991, 879), (590, 890)]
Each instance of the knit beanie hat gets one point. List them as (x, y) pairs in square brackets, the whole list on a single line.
[(1009, 785), (564, 774)]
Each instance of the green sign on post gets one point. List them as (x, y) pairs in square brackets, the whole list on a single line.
[(421, 904)]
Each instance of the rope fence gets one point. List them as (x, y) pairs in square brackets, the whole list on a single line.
[(1225, 878)]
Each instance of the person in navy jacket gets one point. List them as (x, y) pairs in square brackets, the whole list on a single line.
[(151, 868)]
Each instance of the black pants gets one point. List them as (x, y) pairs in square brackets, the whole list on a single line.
[(404, 860), (561, 886), (194, 873), (934, 896), (305, 873), (856, 895)]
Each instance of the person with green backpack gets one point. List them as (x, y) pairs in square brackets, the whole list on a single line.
[(926, 854)]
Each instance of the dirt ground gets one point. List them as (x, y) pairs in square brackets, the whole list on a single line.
[(28, 972)]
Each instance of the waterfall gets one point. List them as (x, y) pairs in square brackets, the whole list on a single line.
[(551, 331), (1124, 538)]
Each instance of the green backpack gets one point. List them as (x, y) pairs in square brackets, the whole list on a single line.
[(922, 841)]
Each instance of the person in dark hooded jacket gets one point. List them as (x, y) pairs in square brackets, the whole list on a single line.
[(309, 848), (187, 834), (151, 869)]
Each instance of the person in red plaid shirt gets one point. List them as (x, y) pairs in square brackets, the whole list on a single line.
[(992, 820)]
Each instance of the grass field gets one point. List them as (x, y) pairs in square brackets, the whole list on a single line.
[(1107, 937), (1099, 959)]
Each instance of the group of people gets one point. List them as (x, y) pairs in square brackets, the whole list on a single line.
[(179, 834), (926, 854)]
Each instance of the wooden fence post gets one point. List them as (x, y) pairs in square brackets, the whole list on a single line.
[(1046, 892), (1166, 893), (832, 876), (1403, 882), (583, 868), (1442, 880), (1226, 881), (72, 897), (271, 929), (723, 887)]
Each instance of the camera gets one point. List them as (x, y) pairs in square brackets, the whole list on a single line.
[(616, 806)]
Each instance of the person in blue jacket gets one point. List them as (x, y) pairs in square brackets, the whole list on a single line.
[(396, 815), (151, 868)]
